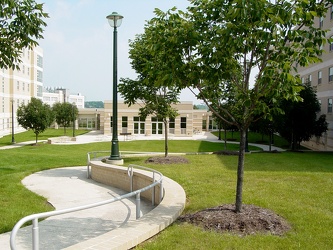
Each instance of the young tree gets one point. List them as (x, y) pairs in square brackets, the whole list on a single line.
[(65, 113), (21, 26), (221, 42), (36, 116), (156, 100), (299, 121)]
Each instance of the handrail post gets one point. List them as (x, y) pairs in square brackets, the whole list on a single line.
[(161, 190), (130, 174), (35, 234), (88, 166), (153, 192), (138, 208)]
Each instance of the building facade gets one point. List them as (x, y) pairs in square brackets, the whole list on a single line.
[(54, 95), (320, 76), (18, 86), (188, 122)]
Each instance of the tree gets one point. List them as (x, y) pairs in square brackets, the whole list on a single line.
[(299, 121), (219, 43), (156, 100), (36, 116), (65, 114), (21, 25)]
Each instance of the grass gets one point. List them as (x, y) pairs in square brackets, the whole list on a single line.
[(30, 136), (255, 138), (298, 186)]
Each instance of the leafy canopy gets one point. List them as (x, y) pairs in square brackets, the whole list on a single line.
[(21, 25), (36, 115), (217, 46)]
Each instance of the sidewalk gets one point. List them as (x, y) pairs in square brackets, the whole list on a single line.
[(66, 188)]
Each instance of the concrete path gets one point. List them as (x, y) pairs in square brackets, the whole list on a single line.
[(66, 188)]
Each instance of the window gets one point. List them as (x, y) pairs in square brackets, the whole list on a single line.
[(39, 76), (23, 86), (321, 22), (302, 80), (124, 124), (331, 12), (39, 61), (329, 105), (212, 124), (39, 91), (309, 79), (18, 85), (330, 74), (111, 123), (139, 125), (172, 125), (204, 124), (156, 126), (331, 44), (320, 75), (183, 125)]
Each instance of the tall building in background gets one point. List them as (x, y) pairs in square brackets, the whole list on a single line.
[(320, 76), (60, 94), (18, 86)]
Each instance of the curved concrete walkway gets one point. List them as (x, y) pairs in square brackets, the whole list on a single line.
[(113, 225)]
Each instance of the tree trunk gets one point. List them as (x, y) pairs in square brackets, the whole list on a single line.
[(36, 138), (166, 149), (64, 130), (225, 139), (240, 171)]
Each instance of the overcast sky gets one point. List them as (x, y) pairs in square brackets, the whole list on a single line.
[(78, 48)]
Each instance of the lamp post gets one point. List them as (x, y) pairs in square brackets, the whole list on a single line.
[(115, 21), (73, 119), (13, 139)]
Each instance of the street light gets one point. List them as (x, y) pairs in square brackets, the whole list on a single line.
[(13, 139), (115, 21), (73, 119)]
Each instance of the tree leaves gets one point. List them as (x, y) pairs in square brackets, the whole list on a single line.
[(21, 25)]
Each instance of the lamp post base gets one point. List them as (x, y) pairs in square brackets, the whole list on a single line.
[(115, 162)]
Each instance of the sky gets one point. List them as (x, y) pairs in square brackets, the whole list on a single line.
[(78, 43)]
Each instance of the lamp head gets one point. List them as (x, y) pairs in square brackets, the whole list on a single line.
[(115, 19)]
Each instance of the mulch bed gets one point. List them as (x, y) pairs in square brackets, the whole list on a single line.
[(167, 160), (251, 220)]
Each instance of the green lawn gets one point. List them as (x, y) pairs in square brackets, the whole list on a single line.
[(255, 138), (30, 136), (298, 186)]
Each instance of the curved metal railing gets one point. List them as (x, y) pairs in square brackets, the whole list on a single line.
[(35, 217)]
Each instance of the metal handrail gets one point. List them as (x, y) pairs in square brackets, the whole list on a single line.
[(34, 217)]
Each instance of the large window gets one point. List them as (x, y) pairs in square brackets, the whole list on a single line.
[(212, 124), (139, 125), (124, 124), (87, 123), (156, 126), (183, 125), (329, 105)]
